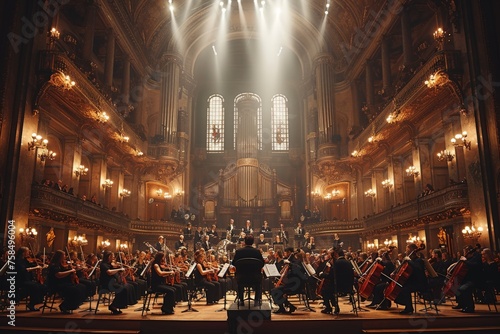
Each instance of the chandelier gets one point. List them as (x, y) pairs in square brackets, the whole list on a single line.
[(125, 193), (28, 232), (460, 140), (107, 183), (81, 171), (387, 183)]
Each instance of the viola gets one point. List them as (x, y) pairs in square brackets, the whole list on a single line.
[(402, 274)]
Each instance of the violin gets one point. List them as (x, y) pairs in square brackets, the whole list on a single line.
[(403, 272)]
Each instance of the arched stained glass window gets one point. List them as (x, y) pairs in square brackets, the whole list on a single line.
[(279, 123), (215, 123)]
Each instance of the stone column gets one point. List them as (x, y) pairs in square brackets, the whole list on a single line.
[(425, 163), (369, 84), (110, 59), (406, 36), (114, 191), (386, 66), (72, 160), (88, 43), (99, 174), (126, 81)]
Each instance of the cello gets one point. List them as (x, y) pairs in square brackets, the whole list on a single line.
[(373, 276), (457, 274), (402, 274)]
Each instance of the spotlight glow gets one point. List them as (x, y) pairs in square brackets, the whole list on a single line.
[(215, 51)]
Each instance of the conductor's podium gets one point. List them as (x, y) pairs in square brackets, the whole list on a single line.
[(246, 318)]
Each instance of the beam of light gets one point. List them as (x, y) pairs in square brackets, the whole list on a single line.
[(279, 52), (215, 51)]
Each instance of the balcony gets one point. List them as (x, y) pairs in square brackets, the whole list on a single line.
[(441, 205), (58, 206)]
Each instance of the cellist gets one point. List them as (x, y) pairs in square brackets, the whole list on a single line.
[(326, 288), (473, 263), (378, 301), (417, 281)]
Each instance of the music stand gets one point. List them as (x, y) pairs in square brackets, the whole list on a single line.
[(191, 288), (90, 309), (221, 274), (144, 307), (310, 272)]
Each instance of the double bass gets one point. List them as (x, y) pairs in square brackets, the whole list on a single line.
[(402, 274), (456, 275)]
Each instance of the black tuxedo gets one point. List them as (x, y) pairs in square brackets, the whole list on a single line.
[(234, 230), (179, 244), (244, 276), (206, 245), (344, 275)]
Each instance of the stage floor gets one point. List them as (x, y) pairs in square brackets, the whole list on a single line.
[(214, 319)]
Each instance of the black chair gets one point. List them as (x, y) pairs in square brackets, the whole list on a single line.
[(102, 293), (249, 276)]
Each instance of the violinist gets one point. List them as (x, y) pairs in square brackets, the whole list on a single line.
[(378, 301), (439, 266), (292, 280), (82, 272), (158, 283), (110, 279), (25, 285), (326, 288), (464, 293), (202, 278), (63, 279), (175, 278), (417, 281)]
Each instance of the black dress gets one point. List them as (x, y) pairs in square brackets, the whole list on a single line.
[(158, 285), (73, 293)]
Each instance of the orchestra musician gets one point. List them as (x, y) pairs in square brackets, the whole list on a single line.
[(180, 243), (231, 229), (160, 244), (158, 284), (243, 275), (213, 232), (283, 235), (292, 280), (299, 234), (198, 237), (248, 227), (378, 301), (206, 243), (417, 281), (326, 286), (343, 275), (464, 293), (188, 232), (82, 271), (63, 279), (439, 266), (25, 282), (265, 227), (491, 277), (262, 240), (111, 278), (309, 244), (203, 278)]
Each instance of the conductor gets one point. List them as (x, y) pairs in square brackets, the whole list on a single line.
[(249, 262)]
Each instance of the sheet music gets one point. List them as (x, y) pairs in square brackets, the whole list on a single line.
[(356, 268), (190, 270), (309, 269), (270, 270), (223, 270)]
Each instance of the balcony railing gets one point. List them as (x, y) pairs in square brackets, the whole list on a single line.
[(56, 204)]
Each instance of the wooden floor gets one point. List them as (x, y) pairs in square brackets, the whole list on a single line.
[(214, 319)]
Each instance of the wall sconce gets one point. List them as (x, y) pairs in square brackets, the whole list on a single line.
[(315, 193), (81, 171), (139, 153), (179, 192), (47, 155), (28, 232), (79, 240), (372, 139), (356, 154), (371, 246), (102, 117), (412, 171), (471, 232), (436, 79), (370, 193), (123, 138), (107, 184), (388, 242), (123, 247), (54, 34), (67, 82), (445, 155), (335, 192), (392, 117), (439, 36), (37, 141), (460, 140), (167, 195), (159, 192), (105, 243), (412, 239), (387, 183), (125, 193)]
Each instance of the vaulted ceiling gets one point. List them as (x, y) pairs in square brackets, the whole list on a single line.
[(195, 25)]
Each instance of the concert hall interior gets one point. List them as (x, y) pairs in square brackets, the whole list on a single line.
[(142, 141)]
